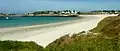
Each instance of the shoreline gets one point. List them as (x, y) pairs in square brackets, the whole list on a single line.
[(7, 29), (45, 36)]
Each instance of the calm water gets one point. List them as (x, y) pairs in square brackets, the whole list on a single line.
[(26, 21)]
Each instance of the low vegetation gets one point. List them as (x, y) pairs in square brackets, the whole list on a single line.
[(19, 46), (109, 26), (104, 37), (107, 38)]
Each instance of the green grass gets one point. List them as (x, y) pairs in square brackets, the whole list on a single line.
[(108, 38), (19, 46), (109, 26), (84, 43)]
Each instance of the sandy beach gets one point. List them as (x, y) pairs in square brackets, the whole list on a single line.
[(45, 34)]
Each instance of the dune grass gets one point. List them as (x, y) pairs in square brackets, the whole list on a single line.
[(108, 38), (19, 46)]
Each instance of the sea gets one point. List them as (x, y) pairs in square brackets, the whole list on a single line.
[(6, 22)]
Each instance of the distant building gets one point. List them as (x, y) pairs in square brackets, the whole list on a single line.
[(106, 12), (69, 12), (100, 12), (2, 14), (117, 11), (73, 12), (30, 14)]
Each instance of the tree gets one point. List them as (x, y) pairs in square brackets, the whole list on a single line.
[(113, 11)]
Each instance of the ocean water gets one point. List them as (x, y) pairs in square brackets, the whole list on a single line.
[(27, 21)]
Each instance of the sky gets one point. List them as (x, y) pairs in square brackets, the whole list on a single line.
[(24, 6)]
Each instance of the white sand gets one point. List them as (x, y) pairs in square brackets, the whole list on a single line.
[(50, 32)]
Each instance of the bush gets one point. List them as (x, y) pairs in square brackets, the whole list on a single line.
[(19, 46)]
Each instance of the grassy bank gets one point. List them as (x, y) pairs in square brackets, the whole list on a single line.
[(19, 46), (107, 38), (104, 37)]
